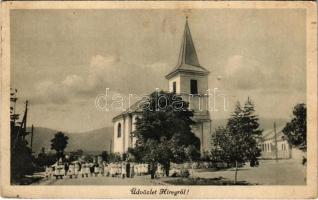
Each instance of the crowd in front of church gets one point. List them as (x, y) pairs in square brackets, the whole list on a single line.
[(78, 169), (121, 169)]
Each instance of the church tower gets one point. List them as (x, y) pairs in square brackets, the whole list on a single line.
[(190, 80)]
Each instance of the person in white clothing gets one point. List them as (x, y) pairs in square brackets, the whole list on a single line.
[(76, 169), (112, 170), (123, 170), (106, 169), (71, 170), (96, 169), (87, 169), (82, 171), (118, 171)]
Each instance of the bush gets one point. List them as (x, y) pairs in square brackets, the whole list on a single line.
[(186, 165), (195, 165), (184, 173), (114, 157)]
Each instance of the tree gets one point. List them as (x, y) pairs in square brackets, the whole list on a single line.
[(164, 133), (105, 156), (75, 155), (237, 142), (114, 157), (21, 155), (59, 143), (296, 129), (88, 158), (45, 159)]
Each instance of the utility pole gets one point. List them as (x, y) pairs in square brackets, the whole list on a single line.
[(24, 121), (22, 127), (276, 147), (32, 129)]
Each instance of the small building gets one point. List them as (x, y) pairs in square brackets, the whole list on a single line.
[(284, 149)]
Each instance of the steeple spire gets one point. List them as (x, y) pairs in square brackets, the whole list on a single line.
[(188, 61), (188, 54)]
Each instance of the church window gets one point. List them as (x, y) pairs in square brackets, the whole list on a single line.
[(174, 87), (194, 86), (119, 130)]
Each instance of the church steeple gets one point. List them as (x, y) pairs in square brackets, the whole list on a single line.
[(188, 55), (188, 60)]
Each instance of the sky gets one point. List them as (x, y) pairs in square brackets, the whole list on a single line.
[(61, 60)]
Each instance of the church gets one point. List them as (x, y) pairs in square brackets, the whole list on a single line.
[(189, 80)]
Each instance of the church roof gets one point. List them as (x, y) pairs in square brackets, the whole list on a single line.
[(135, 108), (188, 60)]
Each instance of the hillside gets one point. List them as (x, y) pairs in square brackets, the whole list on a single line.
[(91, 141), (99, 140)]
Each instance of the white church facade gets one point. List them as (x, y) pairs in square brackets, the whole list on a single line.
[(189, 80)]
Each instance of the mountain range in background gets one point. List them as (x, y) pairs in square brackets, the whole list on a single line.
[(91, 142), (96, 141)]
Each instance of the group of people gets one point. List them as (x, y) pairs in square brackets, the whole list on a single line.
[(86, 169)]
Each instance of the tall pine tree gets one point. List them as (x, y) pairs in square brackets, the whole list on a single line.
[(238, 141)]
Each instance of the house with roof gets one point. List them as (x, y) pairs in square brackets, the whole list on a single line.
[(270, 140), (274, 145), (187, 79)]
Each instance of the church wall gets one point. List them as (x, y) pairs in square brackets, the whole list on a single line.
[(202, 130), (177, 80), (133, 128), (118, 141), (197, 103), (185, 82), (197, 130), (127, 131), (207, 139)]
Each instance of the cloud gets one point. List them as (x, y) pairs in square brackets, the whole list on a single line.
[(49, 92), (244, 73), (102, 69), (240, 73), (72, 81), (103, 72), (123, 77)]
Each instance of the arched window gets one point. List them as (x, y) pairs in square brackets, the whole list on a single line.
[(119, 130)]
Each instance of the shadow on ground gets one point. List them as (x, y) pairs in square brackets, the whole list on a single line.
[(205, 181), (220, 170)]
